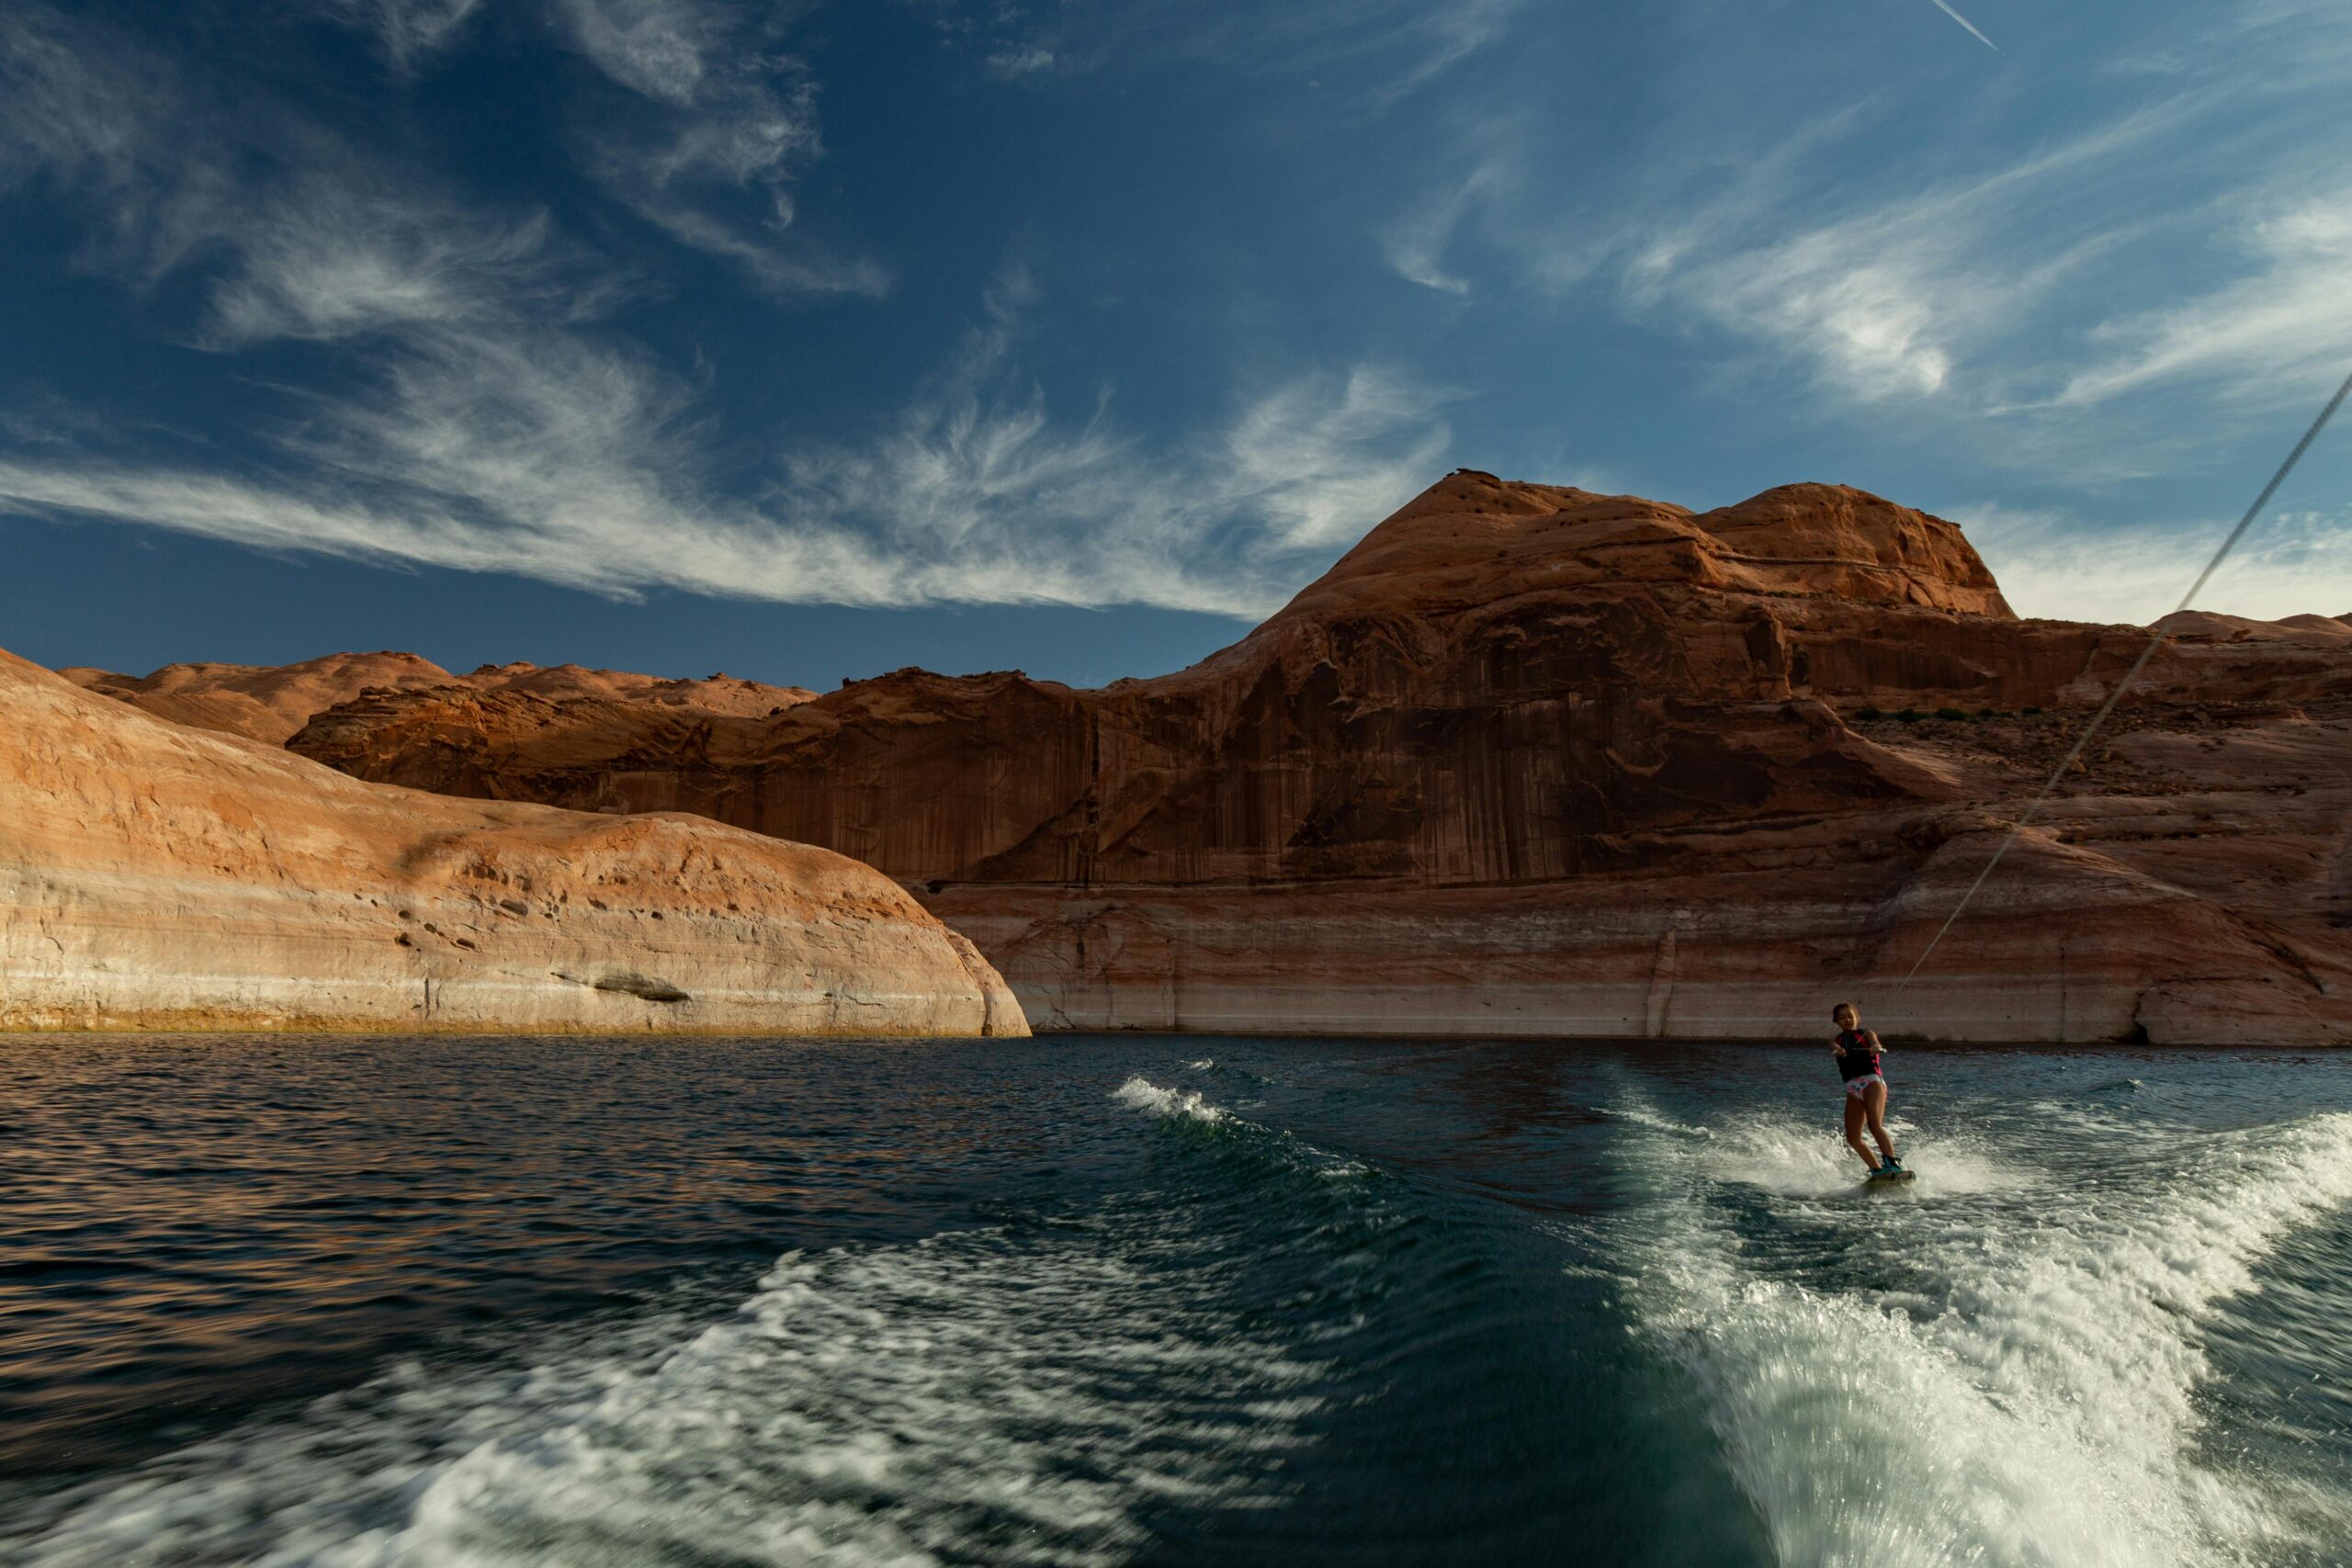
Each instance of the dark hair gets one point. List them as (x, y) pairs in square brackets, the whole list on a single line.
[(1844, 1007)]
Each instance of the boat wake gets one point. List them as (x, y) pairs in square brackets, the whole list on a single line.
[(1795, 1161), (1029, 1394), (1262, 1335), (1145, 1095), (2007, 1382)]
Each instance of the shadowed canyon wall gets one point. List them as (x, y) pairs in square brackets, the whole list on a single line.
[(1530, 759)]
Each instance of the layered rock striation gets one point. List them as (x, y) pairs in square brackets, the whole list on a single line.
[(1530, 760), (271, 702), (156, 876)]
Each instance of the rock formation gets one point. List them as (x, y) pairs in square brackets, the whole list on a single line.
[(271, 702), (1535, 760), (155, 876)]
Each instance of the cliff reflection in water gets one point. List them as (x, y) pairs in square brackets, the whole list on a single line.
[(198, 1226)]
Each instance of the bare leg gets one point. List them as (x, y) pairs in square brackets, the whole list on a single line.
[(1854, 1131), (1875, 1107)]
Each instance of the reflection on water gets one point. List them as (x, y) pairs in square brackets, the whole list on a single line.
[(198, 1226), (1113, 1299)]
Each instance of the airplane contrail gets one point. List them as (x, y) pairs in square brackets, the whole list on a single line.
[(1964, 22)]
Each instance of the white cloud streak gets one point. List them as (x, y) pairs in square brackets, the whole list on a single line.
[(496, 430), (409, 29), (70, 111), (1964, 22), (663, 49), (341, 251), (1321, 460), (1021, 62), (976, 476), (2055, 306), (1887, 300), (2283, 325), (709, 126), (1371, 51), (303, 237), (719, 125), (1415, 244), (552, 458)]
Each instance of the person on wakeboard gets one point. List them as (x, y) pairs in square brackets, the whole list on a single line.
[(1858, 1051)]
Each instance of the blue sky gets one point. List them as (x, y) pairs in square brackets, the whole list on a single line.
[(809, 340)]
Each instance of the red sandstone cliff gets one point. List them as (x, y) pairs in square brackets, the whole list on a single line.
[(154, 876), (271, 702), (1530, 760)]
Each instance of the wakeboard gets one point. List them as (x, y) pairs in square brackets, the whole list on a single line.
[(1887, 1177)]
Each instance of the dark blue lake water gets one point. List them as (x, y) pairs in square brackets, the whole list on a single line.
[(509, 1302)]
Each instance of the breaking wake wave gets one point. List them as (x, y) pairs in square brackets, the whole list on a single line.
[(1145, 1095), (2020, 1380), (1037, 1392), (1287, 1304), (1021, 1393), (891, 1405)]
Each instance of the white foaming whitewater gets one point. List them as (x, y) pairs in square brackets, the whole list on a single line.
[(1799, 1162), (2021, 1390), (1145, 1095), (898, 1405)]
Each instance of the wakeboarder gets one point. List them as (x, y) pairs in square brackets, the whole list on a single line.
[(1859, 1052)]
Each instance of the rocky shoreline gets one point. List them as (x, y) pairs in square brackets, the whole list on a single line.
[(155, 876)]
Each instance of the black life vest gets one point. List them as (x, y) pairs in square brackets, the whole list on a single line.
[(1860, 1059)]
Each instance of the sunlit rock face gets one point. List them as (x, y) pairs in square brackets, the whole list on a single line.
[(1535, 760), (271, 702), (153, 875)]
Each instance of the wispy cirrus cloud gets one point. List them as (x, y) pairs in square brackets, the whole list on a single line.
[(65, 111), (717, 122), (1416, 240), (1374, 51), (974, 491), (493, 423), (1888, 299), (298, 235), (1020, 62), (2047, 277), (408, 29), (555, 459), (1318, 460), (705, 123), (2281, 325), (343, 249)]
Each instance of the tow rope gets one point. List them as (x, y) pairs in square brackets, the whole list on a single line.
[(2163, 637)]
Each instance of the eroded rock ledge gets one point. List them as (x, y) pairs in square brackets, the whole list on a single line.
[(156, 876)]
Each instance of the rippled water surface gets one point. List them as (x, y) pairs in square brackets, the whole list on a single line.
[(1130, 1299)]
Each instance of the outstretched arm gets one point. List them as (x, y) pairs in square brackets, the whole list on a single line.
[(1876, 1043)]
